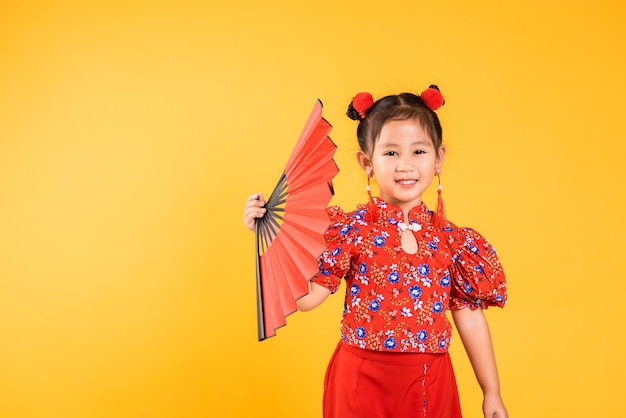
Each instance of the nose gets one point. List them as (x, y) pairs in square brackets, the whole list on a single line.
[(405, 164)]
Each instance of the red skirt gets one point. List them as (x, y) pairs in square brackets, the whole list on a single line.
[(371, 384)]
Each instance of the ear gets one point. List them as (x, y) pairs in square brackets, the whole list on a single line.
[(441, 156), (364, 160)]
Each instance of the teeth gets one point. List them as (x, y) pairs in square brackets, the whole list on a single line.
[(406, 181)]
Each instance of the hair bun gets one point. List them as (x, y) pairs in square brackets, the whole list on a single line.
[(359, 105), (432, 97)]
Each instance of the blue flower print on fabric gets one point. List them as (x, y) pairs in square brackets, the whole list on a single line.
[(437, 307), (358, 215), (415, 292), (363, 267), (345, 230), (379, 241), (423, 270), (397, 300), (445, 281), (374, 305), (390, 343), (354, 289), (360, 332)]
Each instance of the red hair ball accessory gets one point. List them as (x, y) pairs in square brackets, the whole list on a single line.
[(362, 102), (432, 97)]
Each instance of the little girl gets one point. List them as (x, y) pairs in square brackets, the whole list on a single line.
[(405, 267)]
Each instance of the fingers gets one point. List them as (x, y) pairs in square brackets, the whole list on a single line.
[(253, 209), (255, 200), (255, 197), (496, 413)]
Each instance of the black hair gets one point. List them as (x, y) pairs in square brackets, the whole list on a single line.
[(402, 106)]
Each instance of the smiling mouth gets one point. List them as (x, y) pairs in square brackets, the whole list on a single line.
[(406, 182)]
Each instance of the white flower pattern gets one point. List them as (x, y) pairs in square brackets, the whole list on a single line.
[(396, 301)]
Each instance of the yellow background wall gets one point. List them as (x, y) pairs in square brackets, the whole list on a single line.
[(131, 134)]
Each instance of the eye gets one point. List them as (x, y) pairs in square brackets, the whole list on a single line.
[(391, 153), (420, 151)]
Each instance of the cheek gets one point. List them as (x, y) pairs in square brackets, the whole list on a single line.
[(430, 169)]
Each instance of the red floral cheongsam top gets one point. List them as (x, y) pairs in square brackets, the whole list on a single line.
[(398, 302)]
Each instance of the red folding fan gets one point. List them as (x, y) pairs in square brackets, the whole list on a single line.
[(290, 236)]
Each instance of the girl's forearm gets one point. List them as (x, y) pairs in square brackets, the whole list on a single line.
[(474, 331), (317, 294)]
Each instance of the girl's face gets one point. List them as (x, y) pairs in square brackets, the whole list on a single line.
[(403, 161)]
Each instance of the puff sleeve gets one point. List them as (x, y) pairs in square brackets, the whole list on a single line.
[(335, 261), (476, 274)]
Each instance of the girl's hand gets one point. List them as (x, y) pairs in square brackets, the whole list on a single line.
[(253, 209), (493, 407)]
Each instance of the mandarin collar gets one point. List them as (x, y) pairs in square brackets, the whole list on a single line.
[(420, 213)]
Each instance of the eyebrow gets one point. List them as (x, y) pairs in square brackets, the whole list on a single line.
[(419, 142)]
